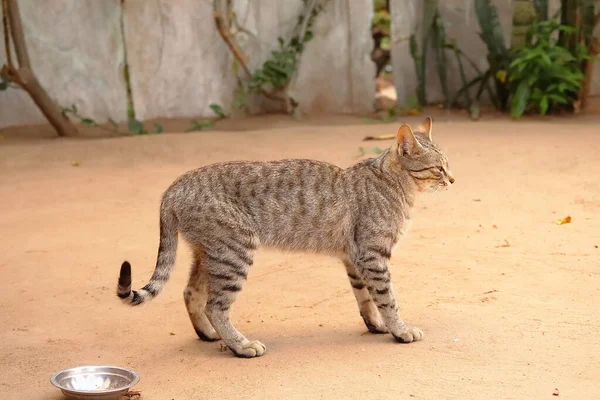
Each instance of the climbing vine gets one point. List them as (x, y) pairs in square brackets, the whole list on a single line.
[(273, 78)]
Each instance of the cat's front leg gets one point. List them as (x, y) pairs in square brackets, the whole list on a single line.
[(368, 310), (373, 268)]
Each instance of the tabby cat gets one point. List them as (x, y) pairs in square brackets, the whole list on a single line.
[(358, 214)]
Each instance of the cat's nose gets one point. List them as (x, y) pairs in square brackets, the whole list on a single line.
[(451, 179)]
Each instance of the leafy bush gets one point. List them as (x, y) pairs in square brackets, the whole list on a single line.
[(543, 75)]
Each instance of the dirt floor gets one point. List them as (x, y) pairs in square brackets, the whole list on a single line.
[(507, 298)]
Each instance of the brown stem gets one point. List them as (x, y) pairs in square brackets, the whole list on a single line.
[(18, 36), (237, 52), (24, 76), (230, 41), (6, 33)]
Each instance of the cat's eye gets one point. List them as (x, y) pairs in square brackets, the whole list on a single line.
[(441, 169)]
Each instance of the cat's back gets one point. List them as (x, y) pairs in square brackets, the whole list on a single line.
[(286, 201), (274, 174)]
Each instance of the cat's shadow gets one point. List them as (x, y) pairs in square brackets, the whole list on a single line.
[(310, 340)]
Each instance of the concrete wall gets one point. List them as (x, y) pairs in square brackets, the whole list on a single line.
[(76, 51), (178, 63), (462, 26)]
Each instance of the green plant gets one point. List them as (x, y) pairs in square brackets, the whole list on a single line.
[(198, 126), (418, 47), (274, 76), (380, 31), (137, 127), (275, 73), (543, 74), (381, 20), (498, 55), (218, 110)]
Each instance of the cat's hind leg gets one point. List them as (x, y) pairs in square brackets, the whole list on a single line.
[(368, 310), (228, 261), (195, 295)]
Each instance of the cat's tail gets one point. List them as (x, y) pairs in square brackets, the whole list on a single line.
[(164, 264)]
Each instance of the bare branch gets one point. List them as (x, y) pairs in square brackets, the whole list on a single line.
[(24, 76), (230, 41), (6, 32), (16, 30)]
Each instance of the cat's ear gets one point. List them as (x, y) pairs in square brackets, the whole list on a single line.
[(426, 127), (407, 142)]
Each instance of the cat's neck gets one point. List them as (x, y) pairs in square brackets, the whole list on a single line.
[(391, 170)]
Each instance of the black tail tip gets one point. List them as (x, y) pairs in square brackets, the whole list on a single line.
[(125, 278)]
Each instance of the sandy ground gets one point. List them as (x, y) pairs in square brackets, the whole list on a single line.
[(508, 299)]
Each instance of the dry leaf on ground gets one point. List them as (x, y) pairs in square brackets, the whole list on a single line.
[(505, 244), (380, 137), (564, 220), (555, 393)]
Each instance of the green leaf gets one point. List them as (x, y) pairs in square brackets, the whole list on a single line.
[(544, 105), (520, 100), (308, 36), (491, 30), (158, 128), (88, 121), (218, 110), (136, 127), (198, 126), (3, 85), (558, 99), (546, 59), (386, 43)]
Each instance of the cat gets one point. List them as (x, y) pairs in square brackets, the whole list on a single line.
[(358, 214)]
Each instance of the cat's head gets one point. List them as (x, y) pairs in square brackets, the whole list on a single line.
[(420, 157)]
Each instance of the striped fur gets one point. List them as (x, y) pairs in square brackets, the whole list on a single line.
[(358, 214)]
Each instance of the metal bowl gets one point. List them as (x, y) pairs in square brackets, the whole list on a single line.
[(94, 382)]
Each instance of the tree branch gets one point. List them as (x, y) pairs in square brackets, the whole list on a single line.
[(24, 76), (6, 32), (230, 41), (17, 32), (235, 49)]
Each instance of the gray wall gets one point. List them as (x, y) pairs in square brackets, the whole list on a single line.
[(178, 63), (76, 51)]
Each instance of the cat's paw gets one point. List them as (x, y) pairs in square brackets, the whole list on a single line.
[(250, 349), (408, 334)]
